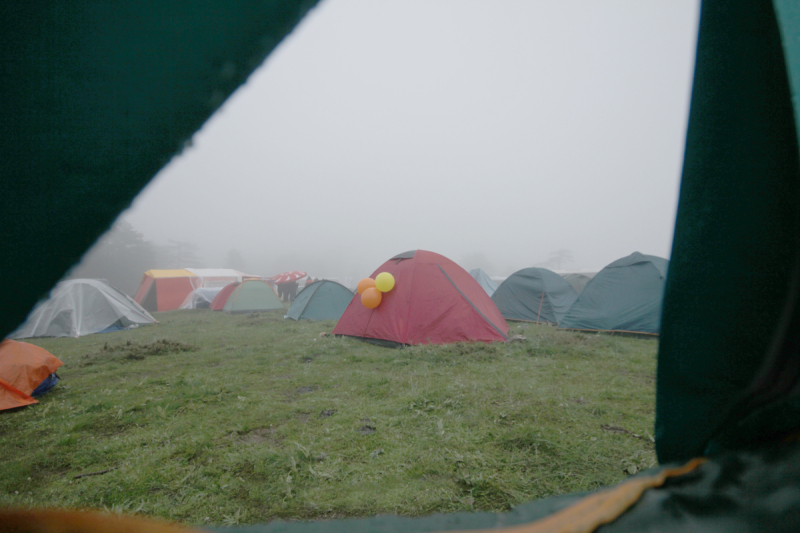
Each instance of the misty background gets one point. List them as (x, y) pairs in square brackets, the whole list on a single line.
[(502, 134)]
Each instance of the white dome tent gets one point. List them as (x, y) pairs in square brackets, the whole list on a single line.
[(79, 307)]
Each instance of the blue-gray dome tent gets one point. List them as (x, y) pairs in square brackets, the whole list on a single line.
[(322, 300), (625, 296), (534, 295)]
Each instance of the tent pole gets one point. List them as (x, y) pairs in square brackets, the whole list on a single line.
[(540, 307)]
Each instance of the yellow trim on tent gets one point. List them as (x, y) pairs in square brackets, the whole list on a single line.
[(174, 273), (601, 507)]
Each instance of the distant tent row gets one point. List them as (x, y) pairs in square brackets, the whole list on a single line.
[(79, 307), (166, 290), (26, 371), (625, 296)]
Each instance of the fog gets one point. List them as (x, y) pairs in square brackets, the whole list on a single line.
[(502, 134)]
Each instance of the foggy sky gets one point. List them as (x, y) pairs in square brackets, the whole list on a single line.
[(490, 131)]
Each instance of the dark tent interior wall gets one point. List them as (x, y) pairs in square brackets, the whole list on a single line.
[(98, 96), (92, 110), (737, 227)]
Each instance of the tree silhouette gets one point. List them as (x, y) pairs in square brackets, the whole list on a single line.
[(120, 257)]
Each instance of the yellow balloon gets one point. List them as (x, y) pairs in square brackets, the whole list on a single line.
[(384, 282)]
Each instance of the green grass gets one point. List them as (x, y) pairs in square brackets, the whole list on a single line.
[(209, 418)]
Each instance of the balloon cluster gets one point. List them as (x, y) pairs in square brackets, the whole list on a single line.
[(371, 290)]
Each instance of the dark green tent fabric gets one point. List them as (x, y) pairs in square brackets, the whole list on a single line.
[(625, 296), (322, 300), (730, 307), (534, 295)]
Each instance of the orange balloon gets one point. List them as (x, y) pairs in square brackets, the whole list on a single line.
[(365, 284), (371, 298)]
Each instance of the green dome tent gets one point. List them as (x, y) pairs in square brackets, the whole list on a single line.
[(322, 300), (625, 296), (728, 366), (534, 295), (249, 296)]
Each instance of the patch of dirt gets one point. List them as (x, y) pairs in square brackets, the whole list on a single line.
[(256, 319), (367, 430), (292, 396), (133, 351), (327, 412), (309, 358), (580, 401), (617, 429), (261, 435)]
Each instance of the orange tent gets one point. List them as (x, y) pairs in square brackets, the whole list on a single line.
[(23, 367)]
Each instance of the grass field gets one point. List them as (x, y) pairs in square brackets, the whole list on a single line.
[(209, 418)]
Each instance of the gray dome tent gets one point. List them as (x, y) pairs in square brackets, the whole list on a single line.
[(483, 279), (578, 280), (625, 296), (322, 300), (534, 295), (80, 307)]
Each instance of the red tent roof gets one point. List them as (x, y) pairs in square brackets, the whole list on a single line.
[(434, 301)]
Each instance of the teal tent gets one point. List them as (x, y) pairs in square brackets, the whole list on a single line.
[(578, 280), (483, 279), (100, 96), (249, 296), (322, 300), (625, 296), (534, 295)]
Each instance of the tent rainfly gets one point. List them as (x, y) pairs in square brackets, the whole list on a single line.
[(249, 296), (321, 300), (483, 279), (166, 290), (534, 295), (79, 307), (434, 301), (577, 280), (26, 371), (625, 296)]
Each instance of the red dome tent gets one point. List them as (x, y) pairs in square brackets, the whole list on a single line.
[(434, 301)]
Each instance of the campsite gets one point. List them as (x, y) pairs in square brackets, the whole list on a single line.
[(218, 418), (646, 153)]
